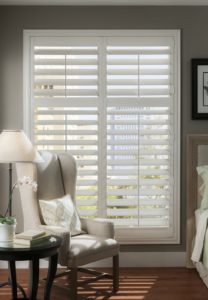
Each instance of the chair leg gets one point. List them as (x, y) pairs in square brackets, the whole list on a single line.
[(115, 273), (74, 284)]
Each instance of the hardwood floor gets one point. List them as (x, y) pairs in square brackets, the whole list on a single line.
[(135, 284)]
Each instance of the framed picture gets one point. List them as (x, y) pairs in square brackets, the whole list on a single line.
[(200, 88)]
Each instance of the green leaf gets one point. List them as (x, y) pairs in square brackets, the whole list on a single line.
[(7, 220)]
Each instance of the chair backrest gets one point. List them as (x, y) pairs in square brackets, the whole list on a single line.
[(56, 176)]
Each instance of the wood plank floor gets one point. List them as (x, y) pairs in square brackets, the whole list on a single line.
[(135, 284)]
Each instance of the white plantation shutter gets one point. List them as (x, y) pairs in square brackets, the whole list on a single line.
[(139, 137), (112, 102), (66, 113)]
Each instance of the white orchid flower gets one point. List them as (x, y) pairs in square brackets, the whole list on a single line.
[(26, 180)]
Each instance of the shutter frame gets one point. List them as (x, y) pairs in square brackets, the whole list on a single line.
[(175, 54)]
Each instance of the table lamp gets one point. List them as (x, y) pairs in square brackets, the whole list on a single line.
[(15, 147)]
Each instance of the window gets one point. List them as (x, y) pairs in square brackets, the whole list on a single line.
[(112, 98)]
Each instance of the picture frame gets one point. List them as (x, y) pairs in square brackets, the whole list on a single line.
[(200, 89)]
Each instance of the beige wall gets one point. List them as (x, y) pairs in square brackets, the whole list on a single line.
[(192, 21)]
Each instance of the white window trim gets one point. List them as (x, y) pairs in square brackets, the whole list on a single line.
[(161, 236)]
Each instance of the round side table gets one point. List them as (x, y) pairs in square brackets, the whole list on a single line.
[(47, 249)]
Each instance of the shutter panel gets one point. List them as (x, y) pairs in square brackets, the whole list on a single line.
[(139, 137), (66, 114), (139, 180)]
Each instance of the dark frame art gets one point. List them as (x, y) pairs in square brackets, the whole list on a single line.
[(200, 89)]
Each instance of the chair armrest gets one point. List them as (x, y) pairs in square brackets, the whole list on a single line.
[(99, 227), (65, 235)]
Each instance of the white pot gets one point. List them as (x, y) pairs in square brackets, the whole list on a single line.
[(7, 232)]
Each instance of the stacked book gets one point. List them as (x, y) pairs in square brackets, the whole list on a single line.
[(31, 237)]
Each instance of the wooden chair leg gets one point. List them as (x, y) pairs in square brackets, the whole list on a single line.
[(115, 273), (74, 284)]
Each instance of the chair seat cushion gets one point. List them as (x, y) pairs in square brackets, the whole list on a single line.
[(86, 248)]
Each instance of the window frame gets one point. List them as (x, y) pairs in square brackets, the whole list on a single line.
[(169, 235)]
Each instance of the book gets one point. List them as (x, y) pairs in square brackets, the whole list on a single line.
[(33, 242), (30, 234)]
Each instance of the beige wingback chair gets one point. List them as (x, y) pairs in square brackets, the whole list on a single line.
[(57, 177)]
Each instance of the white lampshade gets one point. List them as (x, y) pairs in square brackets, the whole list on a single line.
[(16, 147)]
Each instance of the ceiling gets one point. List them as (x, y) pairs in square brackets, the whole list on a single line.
[(104, 2)]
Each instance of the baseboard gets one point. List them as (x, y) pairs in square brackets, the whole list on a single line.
[(130, 259)]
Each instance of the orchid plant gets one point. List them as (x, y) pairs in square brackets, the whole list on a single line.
[(25, 180)]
